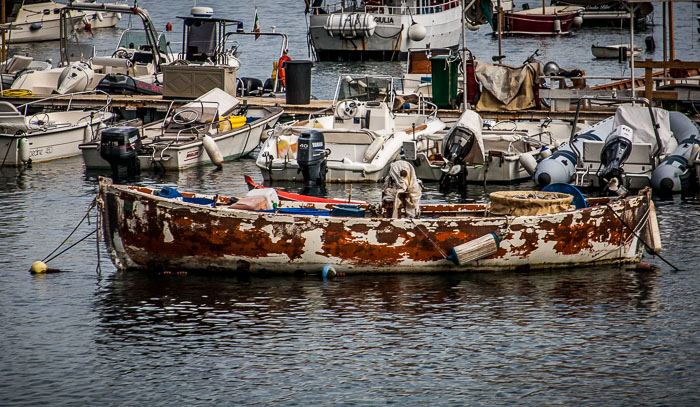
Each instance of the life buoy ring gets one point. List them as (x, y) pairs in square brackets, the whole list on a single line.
[(280, 69)]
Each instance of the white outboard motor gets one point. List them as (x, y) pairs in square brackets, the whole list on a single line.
[(616, 151), (76, 77), (311, 157), (561, 166), (675, 173)]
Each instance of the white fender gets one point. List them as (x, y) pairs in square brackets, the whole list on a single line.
[(528, 161), (100, 16), (373, 149), (23, 147), (213, 150)]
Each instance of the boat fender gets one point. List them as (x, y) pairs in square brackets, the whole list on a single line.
[(545, 152), (373, 149), (417, 32), (39, 267), (23, 148), (36, 26), (528, 161), (213, 150), (328, 271), (671, 175), (100, 16), (475, 249), (556, 26)]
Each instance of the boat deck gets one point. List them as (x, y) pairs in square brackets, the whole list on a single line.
[(158, 103)]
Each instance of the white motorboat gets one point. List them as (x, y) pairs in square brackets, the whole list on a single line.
[(96, 19), (36, 20), (40, 20), (210, 130), (357, 142), (382, 29), (476, 151), (27, 137), (613, 51), (133, 67)]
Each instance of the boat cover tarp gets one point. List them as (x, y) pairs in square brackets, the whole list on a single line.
[(402, 189), (507, 87), (638, 119)]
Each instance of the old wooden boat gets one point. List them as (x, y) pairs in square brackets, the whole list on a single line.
[(144, 230)]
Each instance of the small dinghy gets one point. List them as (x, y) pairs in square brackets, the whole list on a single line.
[(614, 51)]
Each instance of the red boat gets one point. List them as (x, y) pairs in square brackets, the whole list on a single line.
[(288, 196), (553, 20)]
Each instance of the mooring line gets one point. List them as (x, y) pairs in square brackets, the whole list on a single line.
[(87, 214), (640, 239)]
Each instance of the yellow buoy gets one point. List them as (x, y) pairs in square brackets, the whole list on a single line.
[(38, 267)]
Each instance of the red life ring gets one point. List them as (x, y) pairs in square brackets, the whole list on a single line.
[(280, 69)]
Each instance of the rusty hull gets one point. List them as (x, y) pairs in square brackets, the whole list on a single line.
[(145, 231)]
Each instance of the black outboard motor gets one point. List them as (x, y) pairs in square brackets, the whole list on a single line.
[(617, 149), (456, 147), (249, 87), (119, 147), (458, 144), (311, 157)]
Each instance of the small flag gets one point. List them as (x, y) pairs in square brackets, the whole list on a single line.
[(256, 24)]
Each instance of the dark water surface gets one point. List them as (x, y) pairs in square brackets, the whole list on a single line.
[(596, 336)]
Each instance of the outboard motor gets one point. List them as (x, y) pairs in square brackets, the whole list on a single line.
[(457, 149), (616, 151), (676, 173), (119, 147), (311, 157), (249, 87), (458, 143)]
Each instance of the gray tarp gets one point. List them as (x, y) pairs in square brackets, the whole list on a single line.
[(639, 120)]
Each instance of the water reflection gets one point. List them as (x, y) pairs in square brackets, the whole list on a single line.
[(137, 305)]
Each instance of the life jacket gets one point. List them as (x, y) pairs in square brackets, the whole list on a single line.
[(280, 69)]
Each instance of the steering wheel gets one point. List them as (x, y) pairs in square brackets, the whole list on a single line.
[(121, 52), (346, 109), (38, 121), (181, 118)]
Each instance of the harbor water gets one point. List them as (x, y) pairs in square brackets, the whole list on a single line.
[(90, 335)]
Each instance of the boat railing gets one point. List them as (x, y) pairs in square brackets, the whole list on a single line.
[(70, 96), (378, 8)]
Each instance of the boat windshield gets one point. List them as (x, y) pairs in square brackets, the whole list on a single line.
[(365, 88), (136, 39)]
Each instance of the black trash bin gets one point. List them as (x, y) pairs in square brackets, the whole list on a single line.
[(298, 81)]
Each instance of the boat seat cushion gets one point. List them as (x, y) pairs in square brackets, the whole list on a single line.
[(333, 137)]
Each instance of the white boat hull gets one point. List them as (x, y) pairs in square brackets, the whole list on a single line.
[(390, 39), (61, 142), (232, 145)]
